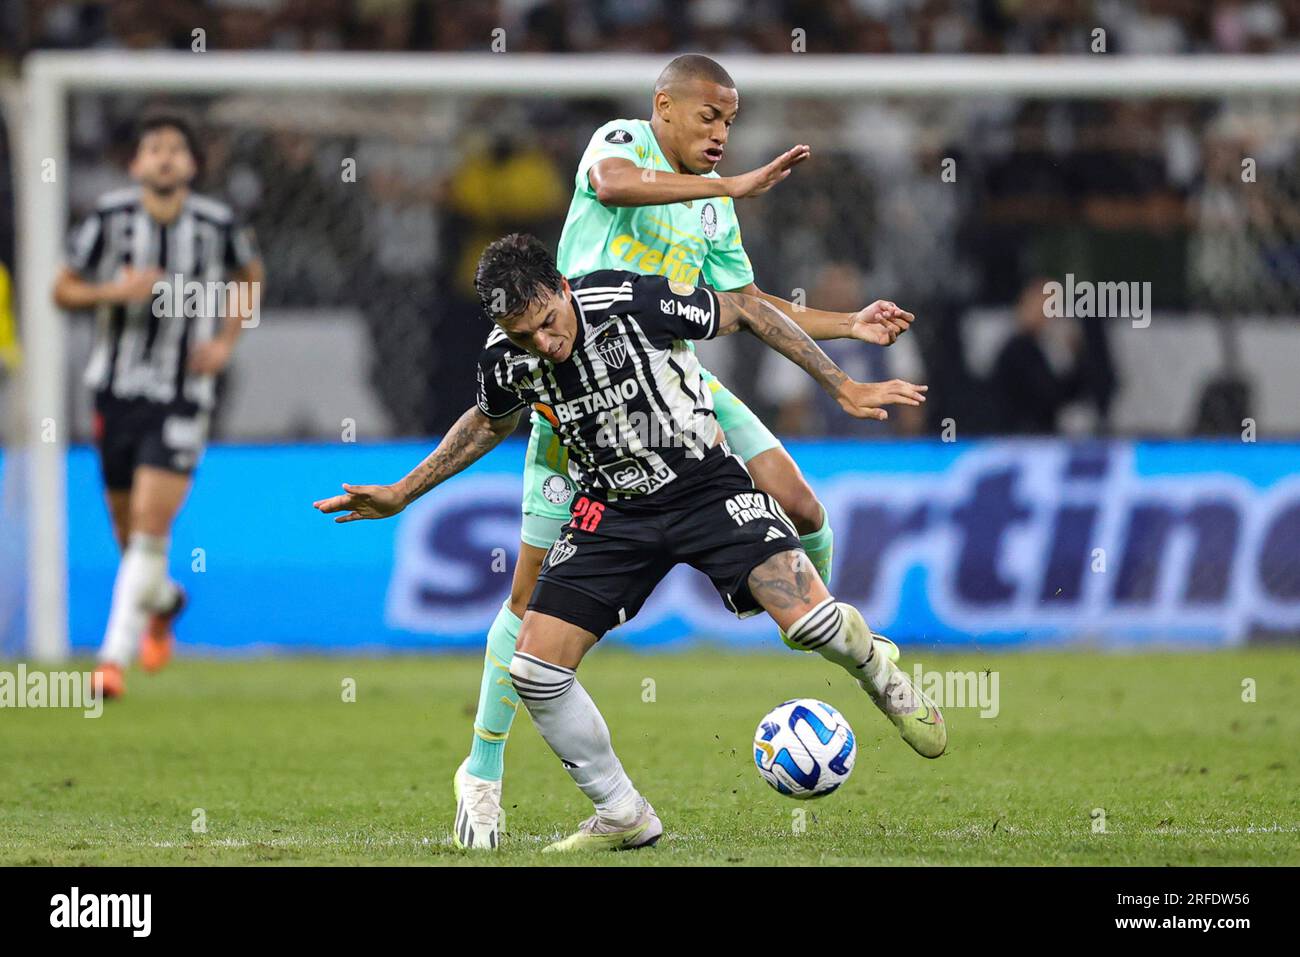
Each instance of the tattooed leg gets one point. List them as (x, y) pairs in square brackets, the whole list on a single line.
[(792, 592), (787, 586)]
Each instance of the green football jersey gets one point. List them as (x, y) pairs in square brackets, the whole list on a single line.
[(685, 242)]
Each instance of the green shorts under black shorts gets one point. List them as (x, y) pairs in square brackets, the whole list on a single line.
[(548, 490)]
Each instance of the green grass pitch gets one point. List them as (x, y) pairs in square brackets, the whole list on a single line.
[(286, 772)]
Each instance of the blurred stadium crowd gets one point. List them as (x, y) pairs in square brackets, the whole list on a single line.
[(578, 26), (1108, 190)]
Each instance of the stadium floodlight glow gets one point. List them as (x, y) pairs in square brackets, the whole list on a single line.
[(49, 78)]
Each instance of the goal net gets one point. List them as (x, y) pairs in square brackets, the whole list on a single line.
[(373, 182)]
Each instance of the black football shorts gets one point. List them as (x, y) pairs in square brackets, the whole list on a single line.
[(612, 554), (134, 432)]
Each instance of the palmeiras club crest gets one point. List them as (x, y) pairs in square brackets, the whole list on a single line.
[(556, 489), (613, 351), (709, 220)]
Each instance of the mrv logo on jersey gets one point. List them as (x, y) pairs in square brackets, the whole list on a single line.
[(131, 911), (690, 312)]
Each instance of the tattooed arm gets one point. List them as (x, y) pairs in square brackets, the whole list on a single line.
[(764, 320), (473, 436), (880, 323)]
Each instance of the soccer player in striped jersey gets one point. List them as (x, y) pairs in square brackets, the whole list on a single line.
[(647, 199), (596, 355), (172, 278)]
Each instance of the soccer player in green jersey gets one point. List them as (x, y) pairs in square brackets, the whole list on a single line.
[(647, 198)]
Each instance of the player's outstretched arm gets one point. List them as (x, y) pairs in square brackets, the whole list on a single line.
[(880, 323), (473, 436), (620, 182), (861, 400)]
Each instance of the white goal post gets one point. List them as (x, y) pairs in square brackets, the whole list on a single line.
[(49, 78)]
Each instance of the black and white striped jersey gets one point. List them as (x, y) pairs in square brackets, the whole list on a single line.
[(141, 349), (629, 403)]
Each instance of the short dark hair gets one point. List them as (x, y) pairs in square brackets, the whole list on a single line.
[(167, 120), (515, 272), (693, 66)]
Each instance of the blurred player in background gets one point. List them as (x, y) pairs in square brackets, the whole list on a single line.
[(154, 261), (648, 199)]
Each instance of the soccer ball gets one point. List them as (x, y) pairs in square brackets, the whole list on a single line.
[(804, 748)]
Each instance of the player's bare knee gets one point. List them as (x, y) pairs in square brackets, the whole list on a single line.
[(535, 670), (525, 641), (536, 679), (532, 637)]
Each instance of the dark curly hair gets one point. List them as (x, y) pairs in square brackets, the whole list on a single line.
[(515, 272)]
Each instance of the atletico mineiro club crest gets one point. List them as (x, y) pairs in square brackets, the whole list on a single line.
[(561, 551), (613, 352)]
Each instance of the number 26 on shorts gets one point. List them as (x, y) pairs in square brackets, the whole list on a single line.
[(587, 514)]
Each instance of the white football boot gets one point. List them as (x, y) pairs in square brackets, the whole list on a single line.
[(593, 834), (919, 721), (478, 811)]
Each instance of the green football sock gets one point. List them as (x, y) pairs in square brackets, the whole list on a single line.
[(820, 545), (497, 701)]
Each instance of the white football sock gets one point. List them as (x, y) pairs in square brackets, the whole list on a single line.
[(140, 576), (569, 720), (838, 632)]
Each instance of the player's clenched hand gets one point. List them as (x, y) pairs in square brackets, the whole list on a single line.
[(881, 323), (862, 400), (363, 501), (759, 181)]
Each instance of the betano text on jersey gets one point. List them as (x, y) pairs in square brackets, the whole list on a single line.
[(630, 368)]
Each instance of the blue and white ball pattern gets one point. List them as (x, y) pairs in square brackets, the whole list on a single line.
[(804, 748)]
